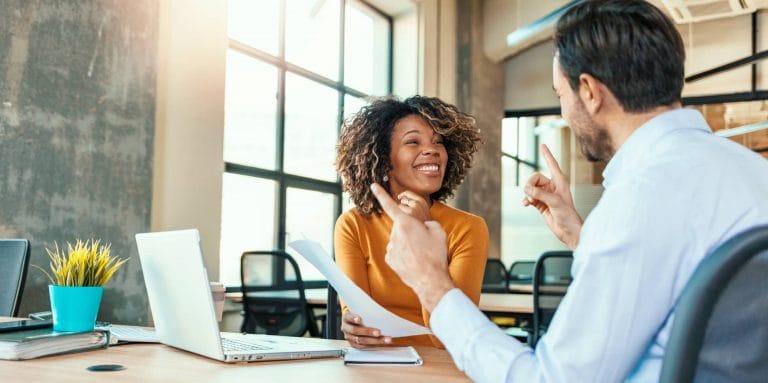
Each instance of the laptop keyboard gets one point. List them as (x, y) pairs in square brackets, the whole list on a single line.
[(232, 345)]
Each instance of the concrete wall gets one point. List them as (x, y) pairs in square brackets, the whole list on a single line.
[(77, 87), (480, 93)]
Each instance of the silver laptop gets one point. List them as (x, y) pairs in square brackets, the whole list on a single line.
[(182, 306)]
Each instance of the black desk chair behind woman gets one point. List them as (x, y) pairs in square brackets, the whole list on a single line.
[(273, 295)]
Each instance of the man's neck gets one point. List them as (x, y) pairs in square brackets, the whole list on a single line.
[(626, 123)]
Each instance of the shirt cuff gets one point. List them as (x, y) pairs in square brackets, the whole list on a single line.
[(477, 346)]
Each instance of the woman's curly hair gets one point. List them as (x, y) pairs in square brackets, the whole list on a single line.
[(362, 155)]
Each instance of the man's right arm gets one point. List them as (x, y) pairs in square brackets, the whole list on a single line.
[(478, 347), (552, 198)]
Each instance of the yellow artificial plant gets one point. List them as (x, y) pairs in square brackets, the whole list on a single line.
[(85, 264)]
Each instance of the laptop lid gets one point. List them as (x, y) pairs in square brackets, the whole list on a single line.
[(182, 305), (178, 291)]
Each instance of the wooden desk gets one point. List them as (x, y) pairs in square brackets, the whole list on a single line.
[(489, 302), (315, 297), (163, 364), (506, 303), (522, 288)]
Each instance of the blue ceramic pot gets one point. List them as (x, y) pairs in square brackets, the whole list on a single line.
[(75, 308)]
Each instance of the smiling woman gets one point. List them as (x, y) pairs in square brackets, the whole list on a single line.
[(419, 149)]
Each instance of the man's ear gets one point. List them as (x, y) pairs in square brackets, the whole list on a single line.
[(591, 92)]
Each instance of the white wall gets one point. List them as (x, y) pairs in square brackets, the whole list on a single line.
[(190, 121), (708, 44), (528, 79)]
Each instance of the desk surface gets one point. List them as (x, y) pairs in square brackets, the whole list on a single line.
[(159, 363), (489, 302)]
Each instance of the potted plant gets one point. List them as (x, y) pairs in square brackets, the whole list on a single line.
[(78, 275)]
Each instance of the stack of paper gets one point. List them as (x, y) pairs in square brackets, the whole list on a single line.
[(133, 334), (29, 344), (382, 356)]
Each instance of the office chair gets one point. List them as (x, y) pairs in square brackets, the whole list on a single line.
[(495, 279), (14, 261), (719, 332), (332, 328), (521, 272), (551, 277), (273, 295)]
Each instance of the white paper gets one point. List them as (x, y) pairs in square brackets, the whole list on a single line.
[(358, 301), (133, 334), (379, 356)]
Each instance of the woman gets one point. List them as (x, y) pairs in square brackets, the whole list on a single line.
[(419, 149)]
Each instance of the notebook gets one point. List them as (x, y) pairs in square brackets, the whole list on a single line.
[(182, 306), (382, 356)]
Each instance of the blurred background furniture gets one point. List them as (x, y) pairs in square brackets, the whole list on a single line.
[(273, 295), (521, 277), (332, 327), (720, 331), (551, 277), (14, 261), (495, 278)]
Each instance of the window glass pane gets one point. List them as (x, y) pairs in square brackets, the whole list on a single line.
[(508, 173), (352, 105), (309, 215), (366, 49), (247, 221), (312, 36), (524, 173), (527, 147), (250, 108), (509, 136), (552, 133), (346, 202), (255, 23), (311, 113)]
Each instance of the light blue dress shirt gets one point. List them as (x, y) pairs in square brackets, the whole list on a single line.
[(673, 192)]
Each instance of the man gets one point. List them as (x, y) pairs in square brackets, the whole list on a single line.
[(673, 192)]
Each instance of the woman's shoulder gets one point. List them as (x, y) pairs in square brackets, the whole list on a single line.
[(353, 217), (443, 212), (458, 223)]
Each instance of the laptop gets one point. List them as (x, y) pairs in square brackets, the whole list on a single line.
[(182, 306)]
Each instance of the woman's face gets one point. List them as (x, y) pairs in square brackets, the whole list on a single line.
[(418, 157)]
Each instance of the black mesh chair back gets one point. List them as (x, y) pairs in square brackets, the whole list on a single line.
[(551, 277), (14, 261), (719, 331), (521, 273), (495, 278), (332, 328), (273, 295)]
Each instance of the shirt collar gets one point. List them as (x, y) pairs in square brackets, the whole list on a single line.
[(641, 141)]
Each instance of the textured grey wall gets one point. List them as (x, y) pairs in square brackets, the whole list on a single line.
[(77, 107), (480, 93)]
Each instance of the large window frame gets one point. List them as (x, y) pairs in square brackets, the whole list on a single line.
[(282, 179)]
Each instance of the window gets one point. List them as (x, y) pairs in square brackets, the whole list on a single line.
[(524, 234), (295, 70)]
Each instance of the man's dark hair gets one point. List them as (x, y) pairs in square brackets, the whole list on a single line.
[(629, 45)]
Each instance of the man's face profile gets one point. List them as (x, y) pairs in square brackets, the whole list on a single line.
[(594, 139)]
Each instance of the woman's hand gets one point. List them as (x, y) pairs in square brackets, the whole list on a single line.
[(414, 205), (360, 336)]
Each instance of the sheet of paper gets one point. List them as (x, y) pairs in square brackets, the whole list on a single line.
[(386, 356), (360, 303), (134, 334)]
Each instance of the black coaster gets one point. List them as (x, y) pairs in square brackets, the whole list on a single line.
[(105, 367)]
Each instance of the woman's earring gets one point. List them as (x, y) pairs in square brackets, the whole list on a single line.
[(386, 178)]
